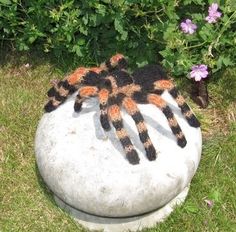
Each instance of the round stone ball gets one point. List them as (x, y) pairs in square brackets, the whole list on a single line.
[(86, 167)]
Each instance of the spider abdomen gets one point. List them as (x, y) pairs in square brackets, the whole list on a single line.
[(122, 78), (148, 74)]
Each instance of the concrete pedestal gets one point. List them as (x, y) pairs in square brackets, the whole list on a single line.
[(128, 224), (87, 171)]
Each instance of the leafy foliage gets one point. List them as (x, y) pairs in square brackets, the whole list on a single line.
[(145, 30)]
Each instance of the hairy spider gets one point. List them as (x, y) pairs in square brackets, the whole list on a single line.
[(110, 83), (115, 88)]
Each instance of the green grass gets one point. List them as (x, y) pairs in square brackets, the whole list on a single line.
[(27, 205)]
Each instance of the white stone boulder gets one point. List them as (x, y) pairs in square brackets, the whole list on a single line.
[(86, 167)]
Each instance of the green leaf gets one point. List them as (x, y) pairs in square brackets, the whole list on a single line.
[(23, 47), (142, 63), (187, 2), (68, 37), (101, 9), (85, 19), (81, 42), (170, 31), (191, 208), (119, 27), (223, 61), (231, 5), (197, 16), (5, 2), (32, 39), (207, 33), (215, 196), (164, 53), (227, 61), (83, 29), (77, 50), (93, 20)]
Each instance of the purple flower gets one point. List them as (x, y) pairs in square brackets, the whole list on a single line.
[(209, 203), (198, 72), (188, 27), (213, 14)]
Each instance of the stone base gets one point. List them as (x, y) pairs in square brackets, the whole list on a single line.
[(109, 224), (86, 168)]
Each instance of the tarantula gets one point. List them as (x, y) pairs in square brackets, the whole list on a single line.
[(111, 84), (115, 87)]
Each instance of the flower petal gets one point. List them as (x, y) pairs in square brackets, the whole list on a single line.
[(198, 77), (203, 67), (188, 27), (188, 21), (214, 6), (204, 74), (210, 19), (192, 74)]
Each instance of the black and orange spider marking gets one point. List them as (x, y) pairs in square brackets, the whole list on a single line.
[(131, 107), (146, 86), (115, 88), (121, 90), (116, 62), (110, 87), (128, 93), (153, 79), (114, 91), (81, 76)]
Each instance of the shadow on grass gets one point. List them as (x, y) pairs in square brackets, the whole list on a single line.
[(36, 57), (221, 85)]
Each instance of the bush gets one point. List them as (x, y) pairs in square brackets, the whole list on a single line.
[(145, 30)]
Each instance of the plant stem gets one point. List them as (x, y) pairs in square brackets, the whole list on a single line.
[(215, 42)]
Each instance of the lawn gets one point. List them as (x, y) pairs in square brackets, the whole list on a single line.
[(27, 205)]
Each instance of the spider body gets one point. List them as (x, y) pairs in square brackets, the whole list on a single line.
[(141, 89), (113, 86), (116, 89)]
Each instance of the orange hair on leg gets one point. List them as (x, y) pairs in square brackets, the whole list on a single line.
[(132, 109), (115, 116)]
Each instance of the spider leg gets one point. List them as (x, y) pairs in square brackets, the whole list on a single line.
[(115, 116), (132, 109), (161, 103), (117, 61), (162, 85), (59, 92), (103, 100), (84, 92)]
